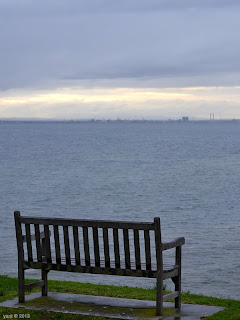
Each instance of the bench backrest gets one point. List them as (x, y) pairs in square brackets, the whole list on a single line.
[(138, 244)]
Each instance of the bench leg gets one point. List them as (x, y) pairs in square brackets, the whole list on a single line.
[(21, 294), (177, 280), (177, 283), (45, 286), (159, 295)]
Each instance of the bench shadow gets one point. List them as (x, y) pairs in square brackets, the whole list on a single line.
[(110, 307)]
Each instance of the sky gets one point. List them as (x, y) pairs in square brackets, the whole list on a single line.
[(128, 59)]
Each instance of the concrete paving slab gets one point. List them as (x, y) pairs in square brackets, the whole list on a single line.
[(119, 308)]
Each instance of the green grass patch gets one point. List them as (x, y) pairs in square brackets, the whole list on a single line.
[(8, 290)]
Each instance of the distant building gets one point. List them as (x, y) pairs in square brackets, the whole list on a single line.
[(185, 119)]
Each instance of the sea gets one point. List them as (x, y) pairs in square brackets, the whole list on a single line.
[(186, 173)]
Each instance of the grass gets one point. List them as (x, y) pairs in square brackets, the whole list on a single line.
[(8, 290)]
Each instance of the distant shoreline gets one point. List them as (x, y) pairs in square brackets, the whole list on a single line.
[(116, 121)]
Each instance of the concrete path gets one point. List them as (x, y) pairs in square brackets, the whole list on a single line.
[(110, 307)]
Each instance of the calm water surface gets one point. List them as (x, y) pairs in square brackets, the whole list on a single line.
[(188, 174)]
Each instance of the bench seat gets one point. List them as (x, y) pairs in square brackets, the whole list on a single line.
[(169, 271)]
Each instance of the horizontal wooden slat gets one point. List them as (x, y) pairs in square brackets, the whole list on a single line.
[(166, 267), (167, 274), (88, 223), (92, 269), (170, 296), (34, 284)]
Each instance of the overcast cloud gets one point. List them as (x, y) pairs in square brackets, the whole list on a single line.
[(147, 43)]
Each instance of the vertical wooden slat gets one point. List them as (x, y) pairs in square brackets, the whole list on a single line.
[(43, 241), (38, 243), (147, 249), (47, 244), (137, 249), (106, 247), (76, 246), (116, 247), (96, 247), (66, 244), (158, 243), (126, 248), (29, 243), (86, 246), (57, 244)]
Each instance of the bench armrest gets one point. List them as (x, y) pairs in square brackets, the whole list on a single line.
[(33, 238), (173, 244)]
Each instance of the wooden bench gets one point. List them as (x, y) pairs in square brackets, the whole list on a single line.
[(118, 248)]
